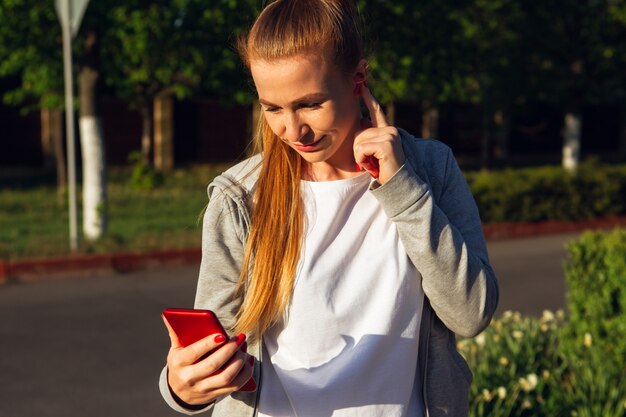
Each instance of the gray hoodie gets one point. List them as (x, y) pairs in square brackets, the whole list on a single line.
[(437, 220)]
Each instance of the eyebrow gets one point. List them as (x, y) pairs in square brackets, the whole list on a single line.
[(303, 99)]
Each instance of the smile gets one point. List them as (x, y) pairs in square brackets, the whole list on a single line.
[(308, 147)]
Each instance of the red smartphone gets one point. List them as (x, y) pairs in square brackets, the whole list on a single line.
[(192, 325)]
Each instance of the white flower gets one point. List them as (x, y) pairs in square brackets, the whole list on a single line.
[(518, 334), (529, 383), (502, 393), (544, 327), (487, 395), (545, 374), (547, 316), (507, 314), (526, 405), (504, 361), (480, 339), (588, 339)]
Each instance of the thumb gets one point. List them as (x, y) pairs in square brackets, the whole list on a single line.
[(173, 337)]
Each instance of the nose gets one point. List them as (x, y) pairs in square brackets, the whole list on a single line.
[(294, 128)]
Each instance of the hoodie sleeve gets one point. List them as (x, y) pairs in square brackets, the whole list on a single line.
[(443, 238), (222, 257)]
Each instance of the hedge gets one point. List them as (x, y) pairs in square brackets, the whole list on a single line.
[(561, 364), (550, 193)]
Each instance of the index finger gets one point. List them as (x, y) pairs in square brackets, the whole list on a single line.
[(376, 111)]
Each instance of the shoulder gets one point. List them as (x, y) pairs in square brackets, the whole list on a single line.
[(428, 149), (429, 158), (238, 180)]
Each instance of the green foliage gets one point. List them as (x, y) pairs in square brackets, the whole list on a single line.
[(34, 224), (550, 193), (558, 365), (31, 49), (596, 278), (143, 175)]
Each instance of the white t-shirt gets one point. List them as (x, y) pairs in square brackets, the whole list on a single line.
[(348, 343)]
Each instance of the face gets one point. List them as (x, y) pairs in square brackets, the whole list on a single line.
[(311, 106)]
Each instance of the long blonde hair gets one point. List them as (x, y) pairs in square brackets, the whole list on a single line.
[(285, 28)]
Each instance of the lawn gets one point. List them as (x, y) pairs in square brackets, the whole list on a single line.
[(34, 220)]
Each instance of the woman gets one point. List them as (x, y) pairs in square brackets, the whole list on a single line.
[(350, 289)]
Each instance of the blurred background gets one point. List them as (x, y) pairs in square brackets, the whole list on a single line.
[(530, 96)]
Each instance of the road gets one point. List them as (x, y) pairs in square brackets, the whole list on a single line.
[(94, 346)]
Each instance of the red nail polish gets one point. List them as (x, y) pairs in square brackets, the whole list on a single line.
[(219, 338), (240, 339)]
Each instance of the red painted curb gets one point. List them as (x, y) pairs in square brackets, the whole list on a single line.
[(133, 261), (495, 231), (118, 262)]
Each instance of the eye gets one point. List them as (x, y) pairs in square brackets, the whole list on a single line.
[(271, 109), (313, 105)]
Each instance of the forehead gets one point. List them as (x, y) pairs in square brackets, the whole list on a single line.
[(293, 76)]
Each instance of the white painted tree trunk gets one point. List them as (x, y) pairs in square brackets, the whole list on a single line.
[(571, 141), (94, 177)]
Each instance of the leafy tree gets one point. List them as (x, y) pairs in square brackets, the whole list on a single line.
[(576, 52), (171, 47), (31, 49)]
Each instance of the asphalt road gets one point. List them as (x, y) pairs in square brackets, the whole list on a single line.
[(94, 346)]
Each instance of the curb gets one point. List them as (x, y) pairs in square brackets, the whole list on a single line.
[(16, 270), (80, 264), (495, 231)]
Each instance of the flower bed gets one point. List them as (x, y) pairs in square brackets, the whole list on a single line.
[(560, 365)]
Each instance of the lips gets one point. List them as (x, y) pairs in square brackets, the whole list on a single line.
[(308, 147)]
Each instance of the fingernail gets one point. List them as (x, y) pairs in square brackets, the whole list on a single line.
[(219, 338), (251, 360), (240, 339)]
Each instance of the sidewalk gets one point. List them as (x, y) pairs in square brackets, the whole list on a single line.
[(15, 270)]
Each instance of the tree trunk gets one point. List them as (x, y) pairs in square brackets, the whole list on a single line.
[(622, 133), (255, 126), (92, 145), (52, 145), (430, 121), (501, 135), (571, 141), (485, 141), (164, 132), (390, 112), (147, 136)]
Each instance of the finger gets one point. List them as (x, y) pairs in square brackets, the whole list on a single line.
[(174, 341), (223, 355), (376, 111), (196, 351), (235, 375)]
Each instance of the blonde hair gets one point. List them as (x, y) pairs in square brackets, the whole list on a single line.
[(285, 28)]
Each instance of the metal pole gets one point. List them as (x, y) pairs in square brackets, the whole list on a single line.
[(69, 124)]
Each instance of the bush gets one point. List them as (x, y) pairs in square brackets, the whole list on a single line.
[(557, 365), (550, 193), (595, 274)]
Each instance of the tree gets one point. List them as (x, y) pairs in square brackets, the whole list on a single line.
[(170, 47), (576, 53), (30, 48)]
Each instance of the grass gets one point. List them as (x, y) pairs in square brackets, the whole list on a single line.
[(34, 220)]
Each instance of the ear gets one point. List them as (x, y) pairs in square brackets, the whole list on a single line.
[(361, 72), (360, 76)]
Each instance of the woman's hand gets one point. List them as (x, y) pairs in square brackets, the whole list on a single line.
[(192, 373), (378, 143)]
